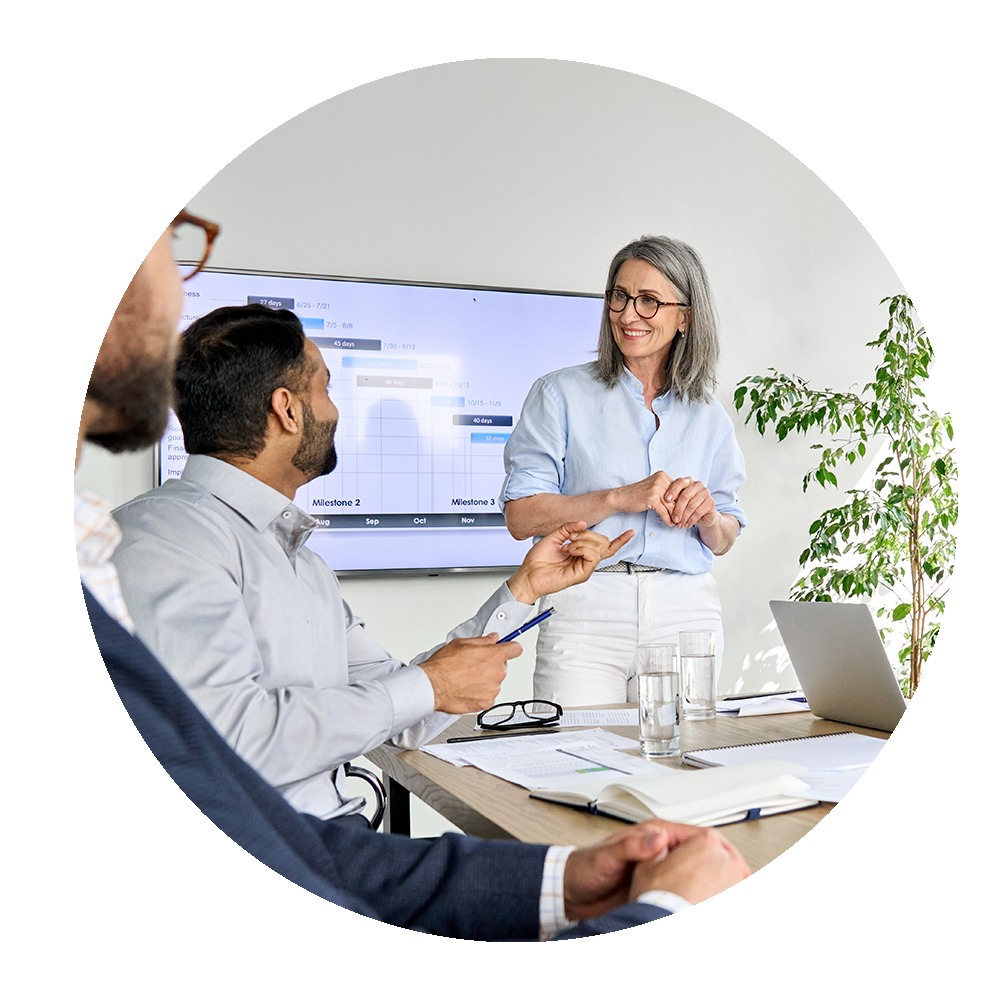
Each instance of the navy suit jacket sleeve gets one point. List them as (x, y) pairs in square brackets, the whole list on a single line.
[(454, 885), (629, 915)]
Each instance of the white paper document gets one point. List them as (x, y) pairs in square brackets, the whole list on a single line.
[(547, 761), (600, 717), (586, 717), (764, 705), (830, 786)]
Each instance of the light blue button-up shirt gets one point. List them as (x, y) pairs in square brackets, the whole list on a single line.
[(576, 436)]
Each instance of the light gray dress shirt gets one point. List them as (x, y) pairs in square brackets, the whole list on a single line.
[(252, 625)]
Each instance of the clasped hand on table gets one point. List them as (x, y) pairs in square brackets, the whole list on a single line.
[(692, 862)]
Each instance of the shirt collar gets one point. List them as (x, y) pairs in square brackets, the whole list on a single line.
[(259, 503), (631, 382), (634, 386)]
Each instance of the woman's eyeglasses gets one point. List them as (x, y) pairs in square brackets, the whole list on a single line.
[(645, 305)]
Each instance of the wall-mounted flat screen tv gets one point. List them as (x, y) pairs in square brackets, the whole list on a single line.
[(429, 380)]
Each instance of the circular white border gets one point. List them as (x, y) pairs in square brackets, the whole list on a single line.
[(121, 115)]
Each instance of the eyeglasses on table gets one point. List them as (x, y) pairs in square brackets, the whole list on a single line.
[(532, 714)]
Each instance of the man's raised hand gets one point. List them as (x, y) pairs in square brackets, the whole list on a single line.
[(567, 556)]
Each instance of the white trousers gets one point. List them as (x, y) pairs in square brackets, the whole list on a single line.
[(585, 652)]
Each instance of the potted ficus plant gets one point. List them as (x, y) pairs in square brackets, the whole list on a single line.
[(894, 540)]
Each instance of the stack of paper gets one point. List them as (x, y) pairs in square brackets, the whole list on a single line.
[(547, 760)]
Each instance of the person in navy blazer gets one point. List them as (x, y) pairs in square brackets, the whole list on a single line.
[(454, 885)]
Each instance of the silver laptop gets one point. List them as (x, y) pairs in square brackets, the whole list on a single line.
[(840, 662)]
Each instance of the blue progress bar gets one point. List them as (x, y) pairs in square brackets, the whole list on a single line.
[(481, 437), (398, 364)]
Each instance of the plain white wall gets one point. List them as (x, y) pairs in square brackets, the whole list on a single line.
[(532, 173)]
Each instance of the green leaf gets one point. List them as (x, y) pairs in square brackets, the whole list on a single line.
[(900, 612)]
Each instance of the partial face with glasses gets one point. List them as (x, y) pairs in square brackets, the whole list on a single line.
[(646, 313), (131, 380), (179, 254), (191, 240)]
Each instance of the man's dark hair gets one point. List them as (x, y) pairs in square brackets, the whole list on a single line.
[(229, 363)]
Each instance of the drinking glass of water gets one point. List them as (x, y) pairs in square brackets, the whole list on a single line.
[(659, 701), (698, 673)]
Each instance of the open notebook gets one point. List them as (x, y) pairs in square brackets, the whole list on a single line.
[(713, 797)]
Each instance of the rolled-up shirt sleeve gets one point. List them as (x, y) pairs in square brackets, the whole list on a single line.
[(535, 454), (728, 474)]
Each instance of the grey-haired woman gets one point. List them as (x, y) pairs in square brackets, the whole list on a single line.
[(634, 441)]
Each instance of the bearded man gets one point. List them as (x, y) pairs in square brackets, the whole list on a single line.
[(251, 622)]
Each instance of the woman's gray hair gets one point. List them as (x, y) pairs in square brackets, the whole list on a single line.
[(692, 361)]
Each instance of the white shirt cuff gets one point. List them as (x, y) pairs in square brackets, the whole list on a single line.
[(552, 899), (666, 900)]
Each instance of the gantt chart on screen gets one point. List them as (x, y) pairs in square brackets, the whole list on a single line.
[(429, 382)]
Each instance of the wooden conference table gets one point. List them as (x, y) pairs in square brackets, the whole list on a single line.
[(486, 806)]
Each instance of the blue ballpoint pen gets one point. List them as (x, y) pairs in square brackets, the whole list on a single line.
[(524, 628)]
